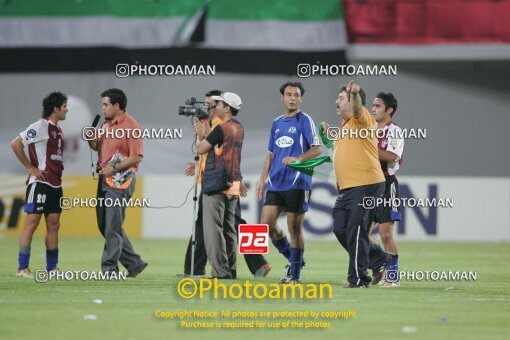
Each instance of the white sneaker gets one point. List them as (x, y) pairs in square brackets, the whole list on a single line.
[(289, 280), (25, 273), (386, 284)]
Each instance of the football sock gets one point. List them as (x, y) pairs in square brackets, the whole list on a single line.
[(296, 262), (283, 246), (393, 264), (23, 258), (393, 267), (51, 259)]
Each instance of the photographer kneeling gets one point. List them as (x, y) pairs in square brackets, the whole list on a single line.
[(221, 184)]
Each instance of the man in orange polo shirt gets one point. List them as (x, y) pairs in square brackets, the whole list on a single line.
[(359, 177), (119, 156)]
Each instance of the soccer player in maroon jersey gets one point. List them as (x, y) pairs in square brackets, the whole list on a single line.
[(391, 149), (40, 148)]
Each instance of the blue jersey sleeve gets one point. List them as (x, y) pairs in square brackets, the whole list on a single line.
[(309, 131), (270, 146)]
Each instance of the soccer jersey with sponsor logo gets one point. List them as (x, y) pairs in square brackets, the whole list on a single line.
[(44, 146), (393, 142), (356, 160), (290, 137)]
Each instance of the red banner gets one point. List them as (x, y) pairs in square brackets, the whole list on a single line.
[(427, 21)]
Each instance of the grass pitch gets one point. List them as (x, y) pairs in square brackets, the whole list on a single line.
[(418, 310)]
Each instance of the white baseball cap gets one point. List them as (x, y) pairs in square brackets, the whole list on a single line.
[(231, 99)]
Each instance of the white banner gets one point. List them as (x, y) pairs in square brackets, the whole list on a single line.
[(480, 211)]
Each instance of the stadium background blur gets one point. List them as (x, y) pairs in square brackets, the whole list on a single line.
[(450, 81), (453, 66)]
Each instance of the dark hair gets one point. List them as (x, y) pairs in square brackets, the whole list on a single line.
[(362, 94), (234, 111), (389, 100), (293, 84), (116, 97), (213, 93), (51, 101)]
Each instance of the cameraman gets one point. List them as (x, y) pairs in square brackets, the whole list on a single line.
[(257, 265), (200, 258), (225, 143)]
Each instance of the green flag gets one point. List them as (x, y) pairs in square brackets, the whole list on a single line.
[(319, 167), (308, 165)]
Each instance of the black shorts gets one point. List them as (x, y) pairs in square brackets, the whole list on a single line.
[(388, 212), (42, 198), (295, 200)]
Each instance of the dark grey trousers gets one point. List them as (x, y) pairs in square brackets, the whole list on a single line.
[(109, 220), (253, 261), (220, 237)]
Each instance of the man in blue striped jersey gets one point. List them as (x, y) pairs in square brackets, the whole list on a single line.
[(293, 138)]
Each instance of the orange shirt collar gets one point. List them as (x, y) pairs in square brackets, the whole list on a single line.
[(119, 119)]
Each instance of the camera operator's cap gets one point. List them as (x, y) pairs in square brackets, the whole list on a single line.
[(231, 99)]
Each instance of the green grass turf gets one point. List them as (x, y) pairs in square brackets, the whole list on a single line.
[(55, 310)]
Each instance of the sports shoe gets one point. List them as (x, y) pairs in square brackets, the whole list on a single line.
[(387, 284), (137, 271), (289, 280), (25, 273), (226, 277), (263, 271), (188, 275), (352, 285), (286, 271), (378, 274), (391, 273)]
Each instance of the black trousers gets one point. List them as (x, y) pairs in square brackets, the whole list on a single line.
[(254, 261), (352, 216)]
